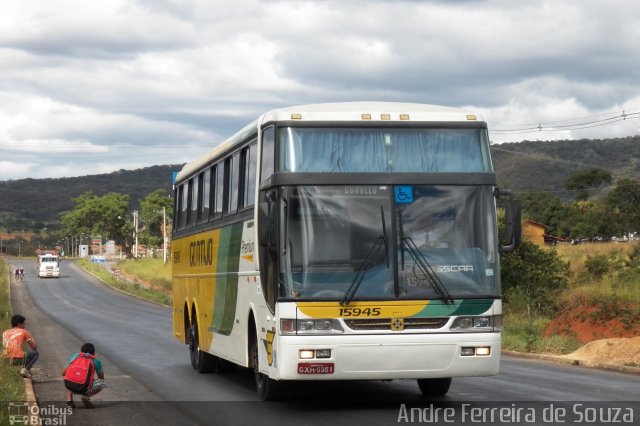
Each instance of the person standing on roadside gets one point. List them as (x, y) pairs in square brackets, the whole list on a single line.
[(13, 341)]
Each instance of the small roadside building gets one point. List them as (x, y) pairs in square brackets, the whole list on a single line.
[(534, 231)]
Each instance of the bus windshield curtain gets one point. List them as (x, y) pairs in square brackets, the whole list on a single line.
[(381, 150)]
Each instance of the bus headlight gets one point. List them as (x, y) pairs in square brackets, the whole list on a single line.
[(310, 326), (477, 324)]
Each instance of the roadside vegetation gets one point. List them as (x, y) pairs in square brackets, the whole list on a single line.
[(557, 299), (150, 270), (132, 284), (11, 384)]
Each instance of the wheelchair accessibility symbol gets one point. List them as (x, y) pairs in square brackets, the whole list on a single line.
[(403, 194)]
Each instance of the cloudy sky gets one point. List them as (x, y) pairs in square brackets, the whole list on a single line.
[(92, 87)]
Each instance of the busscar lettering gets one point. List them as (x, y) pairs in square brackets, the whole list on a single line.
[(201, 253), (454, 268)]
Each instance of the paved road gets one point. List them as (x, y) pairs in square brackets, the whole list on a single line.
[(144, 364)]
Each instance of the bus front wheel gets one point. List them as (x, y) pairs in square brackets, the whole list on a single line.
[(267, 388), (434, 387)]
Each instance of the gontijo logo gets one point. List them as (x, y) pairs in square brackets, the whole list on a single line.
[(201, 252)]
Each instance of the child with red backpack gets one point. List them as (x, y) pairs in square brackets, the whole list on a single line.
[(79, 375)]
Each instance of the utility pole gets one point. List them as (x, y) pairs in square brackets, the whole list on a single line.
[(164, 234), (135, 233)]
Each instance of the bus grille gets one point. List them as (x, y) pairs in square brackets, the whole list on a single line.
[(385, 323)]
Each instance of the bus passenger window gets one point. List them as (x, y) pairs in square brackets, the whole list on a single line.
[(268, 154), (249, 194), (193, 202), (233, 174), (205, 184), (184, 194), (219, 190), (176, 207)]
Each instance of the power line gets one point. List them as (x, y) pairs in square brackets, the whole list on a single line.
[(626, 110), (548, 127)]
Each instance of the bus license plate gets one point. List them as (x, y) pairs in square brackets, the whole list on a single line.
[(315, 368)]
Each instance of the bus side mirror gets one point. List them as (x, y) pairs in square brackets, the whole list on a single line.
[(513, 226)]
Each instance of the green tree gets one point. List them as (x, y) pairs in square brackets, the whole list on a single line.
[(94, 215), (538, 273), (586, 179), (547, 209), (623, 202), (151, 210), (588, 219)]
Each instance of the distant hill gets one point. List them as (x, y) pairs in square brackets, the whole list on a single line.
[(545, 166), (30, 204), (35, 203)]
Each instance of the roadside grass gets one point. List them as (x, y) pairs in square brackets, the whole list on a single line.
[(134, 288), (577, 254), (524, 334), (11, 384), (603, 276), (149, 269)]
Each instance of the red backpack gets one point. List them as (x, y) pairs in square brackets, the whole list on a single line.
[(79, 374)]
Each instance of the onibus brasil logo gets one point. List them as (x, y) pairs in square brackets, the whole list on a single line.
[(25, 413)]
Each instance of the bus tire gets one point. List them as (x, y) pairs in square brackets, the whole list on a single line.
[(434, 387), (267, 388), (202, 362)]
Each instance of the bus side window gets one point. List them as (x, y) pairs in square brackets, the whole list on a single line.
[(205, 195), (249, 176), (184, 194), (232, 177), (219, 190), (176, 208), (193, 200), (268, 153)]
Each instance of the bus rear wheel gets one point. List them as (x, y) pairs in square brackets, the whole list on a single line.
[(434, 387), (201, 361), (267, 388)]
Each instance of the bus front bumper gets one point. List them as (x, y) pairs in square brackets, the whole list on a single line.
[(380, 357)]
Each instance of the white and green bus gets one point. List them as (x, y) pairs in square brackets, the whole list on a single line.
[(347, 241)]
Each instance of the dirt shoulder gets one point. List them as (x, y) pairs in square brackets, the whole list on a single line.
[(617, 354), (619, 351)]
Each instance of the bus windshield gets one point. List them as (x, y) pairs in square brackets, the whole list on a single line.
[(383, 150), (367, 242)]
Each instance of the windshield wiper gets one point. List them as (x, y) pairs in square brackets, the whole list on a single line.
[(366, 265), (426, 268)]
